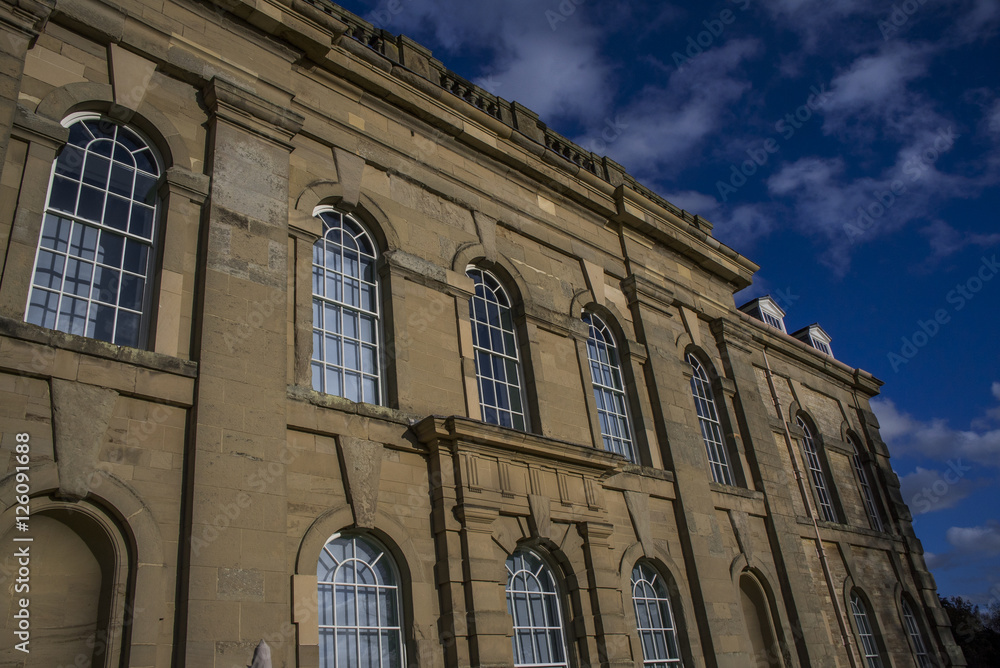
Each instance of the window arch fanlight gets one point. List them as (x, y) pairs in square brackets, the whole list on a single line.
[(346, 357), (609, 387), (359, 605), (708, 419), (654, 618), (533, 604), (916, 635), (498, 366), (95, 253), (867, 493), (817, 472), (866, 631)]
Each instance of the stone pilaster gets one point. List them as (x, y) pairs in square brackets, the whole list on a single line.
[(765, 468), (716, 607), (20, 23), (606, 600), (235, 587)]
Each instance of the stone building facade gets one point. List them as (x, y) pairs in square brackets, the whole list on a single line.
[(315, 342)]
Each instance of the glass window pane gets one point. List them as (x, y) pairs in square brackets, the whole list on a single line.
[(73, 316), (55, 233), (49, 270), (42, 309), (102, 323), (109, 249), (83, 241), (127, 329), (121, 180)]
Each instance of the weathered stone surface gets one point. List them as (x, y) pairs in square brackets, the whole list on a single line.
[(361, 466), (80, 418)]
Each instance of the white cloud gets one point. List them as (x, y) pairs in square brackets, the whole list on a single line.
[(877, 83), (665, 123), (553, 67), (929, 490), (945, 240), (984, 540), (993, 119), (933, 438)]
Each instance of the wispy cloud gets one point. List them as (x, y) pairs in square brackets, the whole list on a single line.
[(667, 123), (559, 73), (934, 438)]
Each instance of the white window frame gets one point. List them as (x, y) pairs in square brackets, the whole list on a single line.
[(817, 473), (708, 420), (490, 293), (524, 565), (867, 493), (333, 340), (869, 643), (608, 383), (916, 636), (383, 628), (96, 297), (657, 637)]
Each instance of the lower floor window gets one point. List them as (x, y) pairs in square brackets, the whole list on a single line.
[(869, 645), (359, 605), (654, 619), (533, 603)]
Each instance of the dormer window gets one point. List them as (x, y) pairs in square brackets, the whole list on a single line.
[(814, 336), (767, 311)]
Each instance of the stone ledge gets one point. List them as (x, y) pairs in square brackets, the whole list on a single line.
[(148, 359)]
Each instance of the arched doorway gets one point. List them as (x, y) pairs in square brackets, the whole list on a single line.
[(759, 622), (77, 589)]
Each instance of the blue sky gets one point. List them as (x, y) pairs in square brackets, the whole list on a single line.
[(851, 148)]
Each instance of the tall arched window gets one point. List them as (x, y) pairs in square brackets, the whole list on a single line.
[(869, 643), (498, 367), (533, 604), (867, 493), (708, 419), (817, 473), (654, 618), (359, 605), (346, 358), (916, 636), (609, 388), (95, 252)]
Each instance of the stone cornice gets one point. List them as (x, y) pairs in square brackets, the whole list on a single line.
[(27, 17), (248, 110), (464, 433)]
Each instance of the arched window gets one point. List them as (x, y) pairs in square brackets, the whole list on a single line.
[(817, 473), (533, 604), (359, 605), (867, 493), (708, 418), (609, 388), (96, 248), (346, 358), (498, 367), (869, 643), (916, 637), (654, 618)]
